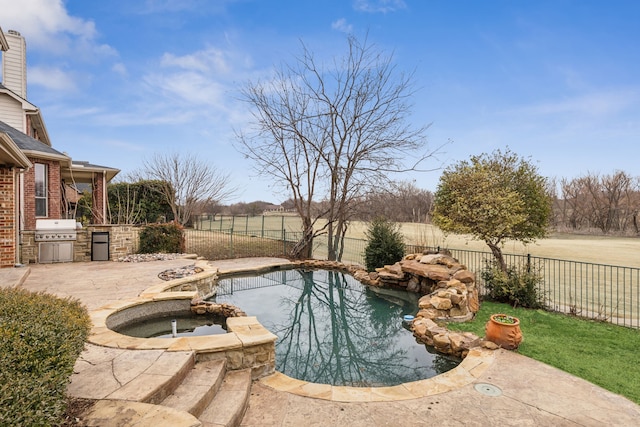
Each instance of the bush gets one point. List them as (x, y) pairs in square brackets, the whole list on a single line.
[(519, 286), (41, 336), (385, 244), (164, 238)]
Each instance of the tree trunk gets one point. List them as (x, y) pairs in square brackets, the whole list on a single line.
[(497, 254)]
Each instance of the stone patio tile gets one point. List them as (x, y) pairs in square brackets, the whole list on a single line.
[(163, 296), (426, 388), (170, 363), (398, 392), (251, 335), (95, 382), (350, 394), (141, 388), (281, 382), (152, 344), (130, 364), (318, 391), (220, 342), (129, 414)]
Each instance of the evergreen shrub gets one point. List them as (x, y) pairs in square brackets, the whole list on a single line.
[(385, 244), (41, 336), (162, 238)]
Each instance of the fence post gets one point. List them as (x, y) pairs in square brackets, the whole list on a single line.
[(262, 232), (231, 242), (246, 225), (284, 242), (528, 263)]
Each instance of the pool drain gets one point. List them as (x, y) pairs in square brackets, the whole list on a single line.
[(488, 389)]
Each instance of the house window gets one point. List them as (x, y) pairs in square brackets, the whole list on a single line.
[(41, 189)]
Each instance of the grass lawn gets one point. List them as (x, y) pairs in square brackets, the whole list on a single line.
[(602, 353)]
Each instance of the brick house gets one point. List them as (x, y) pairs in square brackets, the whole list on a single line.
[(34, 176)]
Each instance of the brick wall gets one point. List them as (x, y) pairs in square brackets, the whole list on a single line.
[(7, 218), (54, 194)]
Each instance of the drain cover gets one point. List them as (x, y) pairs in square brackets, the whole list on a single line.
[(488, 389)]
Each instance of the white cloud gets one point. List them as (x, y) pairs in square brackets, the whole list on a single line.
[(208, 60), (48, 27), (591, 104), (52, 78), (123, 145), (379, 6), (119, 68), (194, 89), (342, 25)]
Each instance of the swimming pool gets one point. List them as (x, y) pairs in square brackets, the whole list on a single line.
[(333, 330)]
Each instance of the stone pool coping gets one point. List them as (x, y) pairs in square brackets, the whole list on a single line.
[(469, 370), (247, 331)]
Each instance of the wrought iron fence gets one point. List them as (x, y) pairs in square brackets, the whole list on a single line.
[(597, 291)]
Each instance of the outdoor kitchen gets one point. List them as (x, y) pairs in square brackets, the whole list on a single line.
[(63, 240)]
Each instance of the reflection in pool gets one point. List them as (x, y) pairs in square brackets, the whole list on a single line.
[(333, 330)]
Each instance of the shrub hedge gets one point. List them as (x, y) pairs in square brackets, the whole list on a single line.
[(164, 238), (41, 336)]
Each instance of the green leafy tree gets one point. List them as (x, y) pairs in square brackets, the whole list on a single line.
[(494, 197), (385, 243)]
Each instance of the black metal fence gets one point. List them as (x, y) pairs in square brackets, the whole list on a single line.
[(597, 291)]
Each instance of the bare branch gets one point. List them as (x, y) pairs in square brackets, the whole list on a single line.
[(330, 133)]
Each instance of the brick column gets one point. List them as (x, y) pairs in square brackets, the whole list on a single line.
[(8, 224), (98, 194)]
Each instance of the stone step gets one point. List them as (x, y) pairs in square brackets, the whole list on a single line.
[(198, 388), (158, 380), (231, 402)]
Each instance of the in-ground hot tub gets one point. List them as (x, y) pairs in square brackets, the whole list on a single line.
[(172, 319), (246, 343)]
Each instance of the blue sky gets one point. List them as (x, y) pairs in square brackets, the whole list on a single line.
[(557, 81)]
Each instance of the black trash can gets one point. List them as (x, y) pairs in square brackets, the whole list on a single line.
[(100, 246)]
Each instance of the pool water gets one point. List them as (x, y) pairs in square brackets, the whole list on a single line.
[(160, 327), (333, 330)]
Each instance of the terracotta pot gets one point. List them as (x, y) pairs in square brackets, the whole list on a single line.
[(505, 334)]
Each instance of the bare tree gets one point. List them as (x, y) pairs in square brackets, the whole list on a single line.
[(328, 133), (125, 208), (187, 182), (609, 203)]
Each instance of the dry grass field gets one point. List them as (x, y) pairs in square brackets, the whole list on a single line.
[(619, 251), (596, 282)]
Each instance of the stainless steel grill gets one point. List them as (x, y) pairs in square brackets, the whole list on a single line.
[(55, 230)]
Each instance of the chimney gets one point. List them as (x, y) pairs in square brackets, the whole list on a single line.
[(14, 64)]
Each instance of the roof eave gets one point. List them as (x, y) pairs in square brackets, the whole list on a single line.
[(38, 123), (84, 172), (11, 154), (64, 160), (28, 107)]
